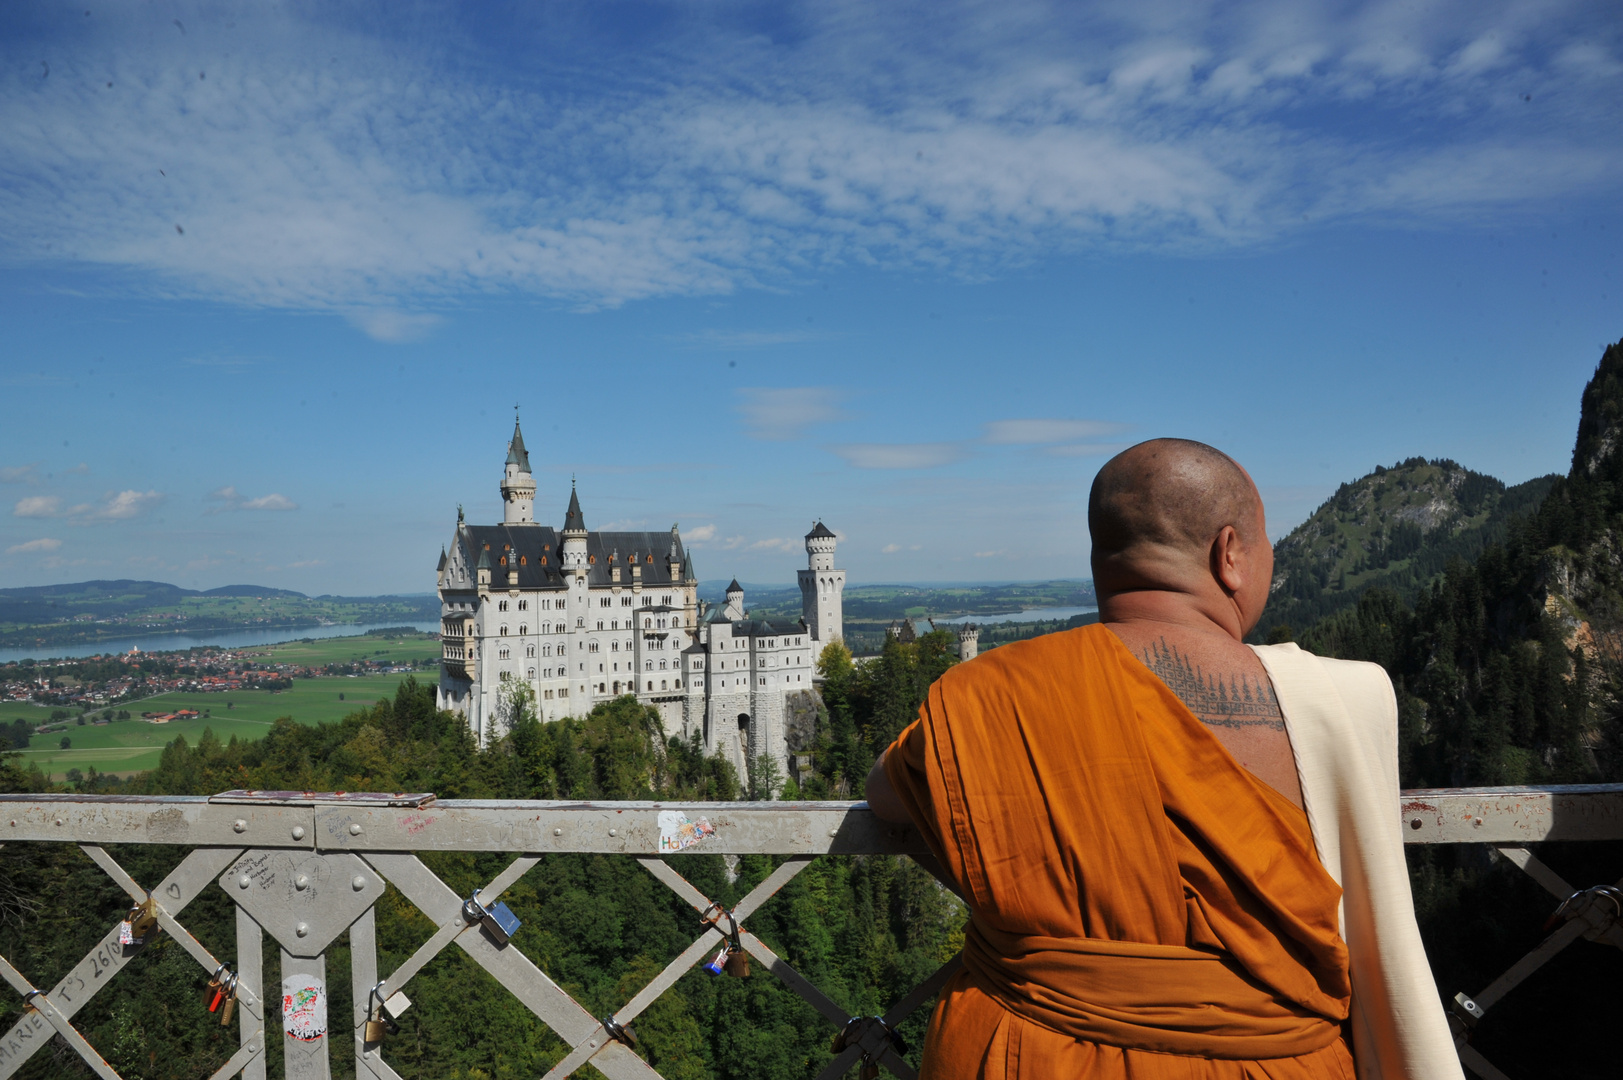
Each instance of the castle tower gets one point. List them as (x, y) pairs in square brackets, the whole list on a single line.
[(573, 553), (822, 588), (969, 641), (518, 486), (735, 601)]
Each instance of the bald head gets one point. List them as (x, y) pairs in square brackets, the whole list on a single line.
[(1168, 497)]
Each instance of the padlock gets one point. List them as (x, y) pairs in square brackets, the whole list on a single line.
[(717, 962), (126, 930), (230, 1008), (499, 922), (738, 963), (215, 990), (143, 917), (376, 1029)]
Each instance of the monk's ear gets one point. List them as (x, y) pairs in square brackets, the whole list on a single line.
[(1228, 559)]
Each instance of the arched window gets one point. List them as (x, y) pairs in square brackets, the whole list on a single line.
[(592, 647), (523, 630), (677, 621), (503, 655), (647, 624), (504, 630), (546, 650), (529, 651), (614, 646)]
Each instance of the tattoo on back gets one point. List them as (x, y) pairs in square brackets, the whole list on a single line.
[(1240, 701)]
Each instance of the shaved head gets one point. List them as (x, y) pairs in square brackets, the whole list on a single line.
[(1169, 496)]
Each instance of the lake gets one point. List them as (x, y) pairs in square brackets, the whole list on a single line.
[(225, 639), (1047, 614)]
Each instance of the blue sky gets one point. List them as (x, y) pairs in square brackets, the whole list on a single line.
[(273, 279)]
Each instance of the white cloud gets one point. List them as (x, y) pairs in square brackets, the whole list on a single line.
[(119, 506), (700, 535), (37, 506), (82, 467), (230, 499), (1014, 432), (44, 543), (394, 327), (20, 474), (891, 549), (786, 543), (898, 455), (299, 173), (783, 413), (989, 554)]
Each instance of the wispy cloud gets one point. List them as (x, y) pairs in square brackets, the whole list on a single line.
[(297, 173), (20, 474), (700, 535), (783, 413), (1086, 449), (394, 327), (119, 506), (37, 506), (228, 498), (891, 549), (899, 455), (734, 340), (43, 544), (1016, 432)]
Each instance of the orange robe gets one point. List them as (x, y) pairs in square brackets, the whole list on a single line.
[(1140, 905)]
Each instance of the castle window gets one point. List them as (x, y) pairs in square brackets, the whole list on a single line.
[(665, 600), (662, 665), (529, 652), (504, 631), (522, 630), (532, 673), (501, 605), (614, 646), (592, 647), (524, 605), (504, 560), (524, 560), (679, 684), (503, 655), (677, 621), (604, 601), (592, 559), (647, 623), (661, 684), (650, 681), (600, 624), (648, 601), (648, 665), (650, 561), (546, 650)]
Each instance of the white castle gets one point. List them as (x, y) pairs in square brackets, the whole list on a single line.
[(581, 617)]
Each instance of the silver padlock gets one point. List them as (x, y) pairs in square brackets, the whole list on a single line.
[(500, 923)]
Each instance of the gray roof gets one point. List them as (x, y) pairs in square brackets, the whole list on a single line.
[(536, 547), (574, 520), (819, 530), (735, 586), (516, 454)]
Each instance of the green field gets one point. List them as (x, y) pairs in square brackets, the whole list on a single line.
[(339, 650), (131, 746)]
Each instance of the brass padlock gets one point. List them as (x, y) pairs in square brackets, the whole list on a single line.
[(375, 1027), (143, 917), (230, 1007), (738, 963)]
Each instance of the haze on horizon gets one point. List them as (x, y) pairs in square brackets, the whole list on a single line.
[(273, 280)]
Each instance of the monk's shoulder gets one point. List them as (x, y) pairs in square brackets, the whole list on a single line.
[(1356, 676)]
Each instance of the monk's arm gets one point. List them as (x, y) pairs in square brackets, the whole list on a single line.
[(881, 796)]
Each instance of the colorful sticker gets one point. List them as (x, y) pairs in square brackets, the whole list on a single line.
[(676, 832), (304, 1007), (126, 934)]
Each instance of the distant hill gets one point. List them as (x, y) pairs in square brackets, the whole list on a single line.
[(89, 611), (1397, 528)]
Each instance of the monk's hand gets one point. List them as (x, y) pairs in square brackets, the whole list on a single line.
[(882, 798)]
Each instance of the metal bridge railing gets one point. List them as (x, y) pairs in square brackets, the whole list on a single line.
[(305, 867)]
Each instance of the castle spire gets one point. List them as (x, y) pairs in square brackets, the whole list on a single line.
[(518, 486), (574, 521)]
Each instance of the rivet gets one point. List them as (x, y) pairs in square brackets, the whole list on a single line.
[(59, 821), (359, 883), (612, 832), (834, 832), (303, 929), (301, 882), (555, 832), (298, 832), (242, 881), (240, 825), (1414, 823), (355, 828)]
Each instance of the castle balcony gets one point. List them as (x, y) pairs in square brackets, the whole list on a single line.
[(307, 868)]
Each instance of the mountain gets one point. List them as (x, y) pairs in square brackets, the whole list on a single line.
[(1396, 528), (53, 603)]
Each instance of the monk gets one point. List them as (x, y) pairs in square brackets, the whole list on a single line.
[(1181, 855)]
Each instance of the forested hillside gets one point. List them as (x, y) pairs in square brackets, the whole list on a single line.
[(1395, 529)]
